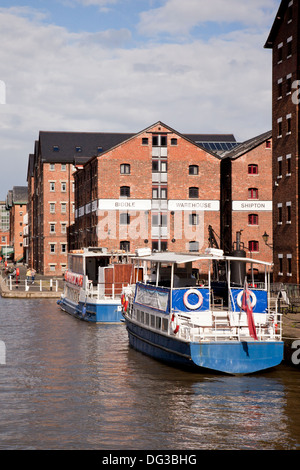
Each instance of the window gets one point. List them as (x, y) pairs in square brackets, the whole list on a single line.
[(52, 207), (289, 84), (52, 186), (288, 165), (173, 141), (193, 193), (52, 166), (253, 169), (63, 187), (63, 207), (78, 149), (159, 140), (55, 148), (253, 246), (52, 228), (163, 193), (279, 160), (289, 123), (125, 191), (279, 127), (193, 170), (145, 141), (52, 247), (64, 228), (124, 218), (290, 12), (279, 88), (125, 169), (193, 219), (194, 246), (280, 259), (289, 262), (288, 212), (52, 267), (252, 193), (155, 166), (268, 144), (253, 219), (279, 207), (125, 245), (280, 52), (154, 193), (64, 248), (63, 167), (289, 47)]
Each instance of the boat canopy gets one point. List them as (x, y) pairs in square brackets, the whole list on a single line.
[(177, 258)]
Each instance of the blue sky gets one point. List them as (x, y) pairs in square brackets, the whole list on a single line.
[(122, 65)]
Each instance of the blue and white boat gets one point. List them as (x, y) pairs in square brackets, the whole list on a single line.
[(93, 284), (219, 326)]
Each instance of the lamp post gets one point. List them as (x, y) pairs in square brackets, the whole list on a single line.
[(266, 238)]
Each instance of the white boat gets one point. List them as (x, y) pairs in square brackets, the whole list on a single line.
[(223, 326), (94, 282)]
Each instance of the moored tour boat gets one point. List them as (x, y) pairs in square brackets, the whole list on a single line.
[(94, 282), (221, 326)]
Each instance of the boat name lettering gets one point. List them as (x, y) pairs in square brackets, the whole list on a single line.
[(74, 278)]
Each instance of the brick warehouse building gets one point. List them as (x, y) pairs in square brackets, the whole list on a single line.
[(284, 42), (246, 201), (16, 204), (152, 190)]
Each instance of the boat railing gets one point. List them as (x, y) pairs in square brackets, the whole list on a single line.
[(103, 290), (228, 326)]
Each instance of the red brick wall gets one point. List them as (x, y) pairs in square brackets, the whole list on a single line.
[(139, 157), (241, 182), (285, 186)]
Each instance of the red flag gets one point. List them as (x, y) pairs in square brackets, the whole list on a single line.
[(247, 307)]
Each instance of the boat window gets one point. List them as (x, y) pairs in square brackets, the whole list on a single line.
[(147, 319), (165, 324), (158, 323), (138, 315), (152, 321)]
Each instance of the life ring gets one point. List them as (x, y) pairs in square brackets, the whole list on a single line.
[(122, 299), (240, 296), (174, 323), (188, 304)]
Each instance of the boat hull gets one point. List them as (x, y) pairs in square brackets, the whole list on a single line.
[(229, 357), (100, 312)]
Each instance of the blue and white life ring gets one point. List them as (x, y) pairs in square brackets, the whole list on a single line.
[(188, 304)]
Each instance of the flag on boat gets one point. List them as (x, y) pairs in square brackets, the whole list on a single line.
[(247, 307)]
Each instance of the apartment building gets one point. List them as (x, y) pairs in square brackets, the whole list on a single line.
[(284, 42), (246, 201)]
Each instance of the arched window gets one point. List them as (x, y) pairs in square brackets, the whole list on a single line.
[(193, 193), (253, 245), (125, 169), (252, 193), (125, 191), (252, 169), (253, 219), (193, 170)]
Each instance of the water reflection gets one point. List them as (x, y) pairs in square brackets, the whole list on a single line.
[(71, 385)]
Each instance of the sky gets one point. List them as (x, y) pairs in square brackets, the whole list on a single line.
[(122, 65)]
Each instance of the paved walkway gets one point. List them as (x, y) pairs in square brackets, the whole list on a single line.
[(41, 288)]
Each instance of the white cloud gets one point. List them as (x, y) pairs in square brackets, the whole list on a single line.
[(56, 80), (179, 17)]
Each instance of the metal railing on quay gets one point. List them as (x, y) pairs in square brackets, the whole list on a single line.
[(40, 285)]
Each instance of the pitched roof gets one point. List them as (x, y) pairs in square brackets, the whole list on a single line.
[(70, 147), (276, 25), (20, 195), (248, 145)]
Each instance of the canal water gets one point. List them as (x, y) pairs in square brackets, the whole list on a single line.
[(70, 385)]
